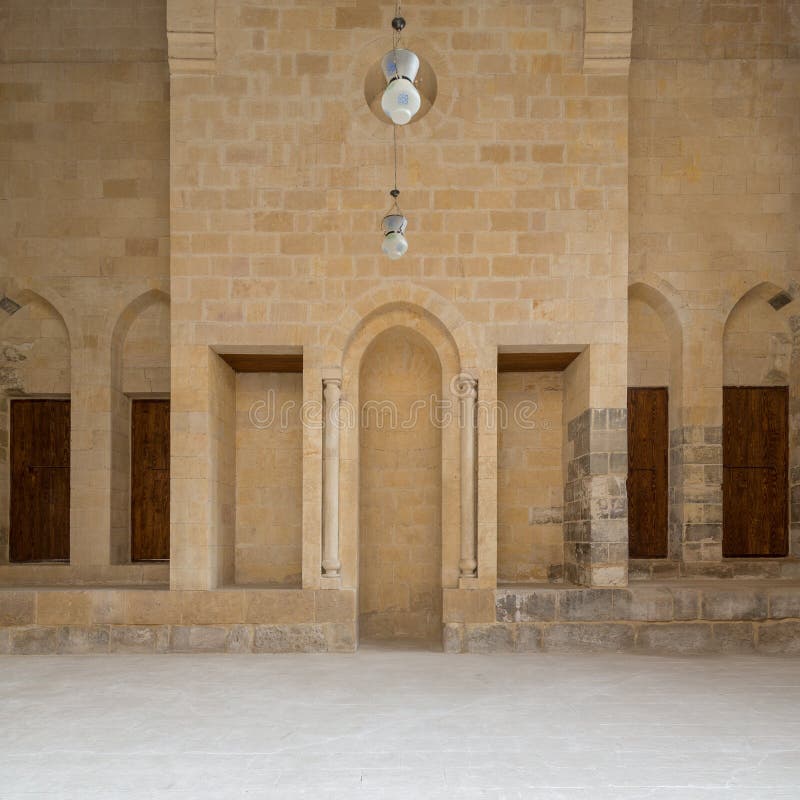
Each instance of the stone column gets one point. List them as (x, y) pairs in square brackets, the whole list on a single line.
[(331, 565), (468, 391)]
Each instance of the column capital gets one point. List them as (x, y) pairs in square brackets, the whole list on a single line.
[(465, 386)]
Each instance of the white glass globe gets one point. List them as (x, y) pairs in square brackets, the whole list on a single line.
[(400, 101), (394, 245)]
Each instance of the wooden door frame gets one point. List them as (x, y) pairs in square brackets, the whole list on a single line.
[(133, 398), (38, 397), (667, 471), (787, 454)]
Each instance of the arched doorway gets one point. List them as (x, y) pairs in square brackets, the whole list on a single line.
[(400, 499)]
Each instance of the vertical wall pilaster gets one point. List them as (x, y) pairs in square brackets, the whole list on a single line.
[(699, 451), (91, 441), (595, 498), (468, 389), (331, 562)]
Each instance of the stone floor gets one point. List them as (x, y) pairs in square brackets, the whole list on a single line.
[(392, 724)]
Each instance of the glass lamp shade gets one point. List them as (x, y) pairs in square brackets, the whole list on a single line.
[(394, 245), (401, 101)]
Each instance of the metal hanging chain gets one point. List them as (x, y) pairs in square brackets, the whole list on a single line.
[(395, 193)]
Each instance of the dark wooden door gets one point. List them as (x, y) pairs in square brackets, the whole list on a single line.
[(755, 458), (149, 480), (648, 458), (39, 502)]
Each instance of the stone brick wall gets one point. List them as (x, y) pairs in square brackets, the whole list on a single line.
[(269, 478), (516, 192), (714, 186), (530, 490), (84, 217)]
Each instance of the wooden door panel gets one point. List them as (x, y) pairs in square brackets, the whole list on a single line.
[(40, 481), (755, 453), (149, 480), (648, 457)]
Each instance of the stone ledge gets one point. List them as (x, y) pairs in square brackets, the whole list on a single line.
[(92, 639), (665, 638), (57, 606), (681, 601)]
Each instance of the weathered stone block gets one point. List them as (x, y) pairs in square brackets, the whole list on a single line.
[(239, 639), (132, 639), (686, 603), (585, 604), (538, 606), (108, 606), (528, 639), (643, 603), (5, 641), (453, 637), (334, 606), (151, 607), (17, 607), (207, 638), (677, 639), (565, 637), (734, 637), (733, 605), (779, 638), (784, 603), (289, 639), (63, 608), (497, 638), (179, 638), (280, 606), (34, 641), (340, 637), (506, 607), (212, 608), (79, 639)]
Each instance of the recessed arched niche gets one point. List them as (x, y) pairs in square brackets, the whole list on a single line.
[(400, 455)]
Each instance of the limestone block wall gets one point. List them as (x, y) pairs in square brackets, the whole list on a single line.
[(530, 493), (516, 192), (84, 218), (269, 478), (714, 180), (400, 496)]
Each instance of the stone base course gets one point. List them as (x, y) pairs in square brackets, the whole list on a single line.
[(39, 621), (677, 618), (662, 638), (92, 639)]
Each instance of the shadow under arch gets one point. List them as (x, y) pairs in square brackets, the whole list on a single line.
[(24, 296), (123, 324), (437, 336), (772, 328), (673, 326)]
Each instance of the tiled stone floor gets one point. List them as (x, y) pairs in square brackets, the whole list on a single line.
[(393, 724)]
